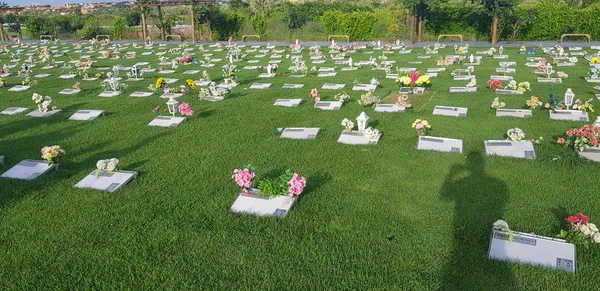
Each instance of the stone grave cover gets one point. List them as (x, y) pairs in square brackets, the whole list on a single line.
[(450, 111), (13, 110), (522, 113), (300, 132), (166, 121), (356, 138), (389, 108), (440, 144), (251, 203), (328, 105), (110, 182), (507, 148), (86, 114), (571, 115), (29, 170)]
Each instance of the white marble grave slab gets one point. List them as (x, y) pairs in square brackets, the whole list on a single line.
[(522, 113), (436, 70), (166, 71), (463, 89), (19, 88), (253, 61), (356, 138), (571, 115), (501, 78), (209, 65), (69, 91), (41, 75), (364, 87), (587, 79), (292, 86), (109, 94), (110, 182), (406, 70), (534, 250), (326, 69), (260, 86), (592, 153), (506, 70), (431, 75), (191, 72), (288, 102), (440, 144), (37, 113), (251, 203), (389, 108), (506, 148), (464, 78), (201, 83), (549, 80), (423, 57), (13, 110), (565, 64), (29, 170), (266, 75), (170, 81), (392, 76), (166, 121), (86, 114), (140, 94), (501, 57), (333, 86), (508, 92), (328, 105), (349, 68), (212, 98), (300, 132), (450, 111), (171, 95), (322, 75), (532, 64)]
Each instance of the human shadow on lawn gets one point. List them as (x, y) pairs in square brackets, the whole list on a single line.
[(479, 201)]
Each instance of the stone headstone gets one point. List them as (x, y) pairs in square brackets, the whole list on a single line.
[(260, 86), (549, 80), (13, 110), (571, 115), (464, 78), (140, 94), (392, 76), (522, 113), (109, 94), (69, 91), (292, 86), (364, 87), (67, 76), (41, 75), (440, 144), (201, 83), (288, 102), (212, 98), (508, 64), (19, 88), (171, 95), (110, 182), (356, 138), (508, 92), (191, 72), (450, 111), (326, 75), (587, 79), (326, 69), (29, 170), (86, 114), (506, 70), (266, 75), (436, 70), (333, 86), (501, 78), (328, 105), (533, 250), (506, 148), (251, 203), (300, 132), (37, 113), (389, 108), (349, 68), (166, 121), (592, 153)]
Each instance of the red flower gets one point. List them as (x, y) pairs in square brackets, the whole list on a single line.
[(584, 219), (561, 141), (572, 220)]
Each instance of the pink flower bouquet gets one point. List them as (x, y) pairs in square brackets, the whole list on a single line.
[(185, 109)]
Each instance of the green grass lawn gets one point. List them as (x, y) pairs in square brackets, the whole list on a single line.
[(385, 217)]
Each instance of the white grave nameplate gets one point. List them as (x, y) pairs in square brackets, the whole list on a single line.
[(171, 95), (508, 92), (450, 111), (464, 78), (109, 94), (110, 182), (69, 91), (571, 115), (549, 80), (356, 138), (37, 113), (29, 170), (326, 75), (533, 250), (440, 144), (191, 72), (333, 86), (506, 70), (140, 94), (13, 110), (19, 88), (252, 203), (166, 121), (300, 132), (328, 105), (592, 153), (266, 75), (292, 86), (506, 148), (389, 108), (364, 87), (522, 113), (501, 78), (260, 86), (287, 102), (463, 89), (86, 114)]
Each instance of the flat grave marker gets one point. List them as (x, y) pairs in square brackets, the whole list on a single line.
[(110, 182), (440, 144), (37, 113), (356, 138), (507, 148), (450, 111), (522, 113), (252, 203), (288, 102), (300, 132), (29, 170), (571, 115), (328, 105), (13, 110), (166, 121), (86, 114)]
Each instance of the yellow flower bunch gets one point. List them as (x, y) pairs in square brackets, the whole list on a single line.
[(595, 60), (159, 82), (423, 80), (460, 48), (533, 102), (404, 80), (191, 83), (52, 153), (588, 107), (425, 123)]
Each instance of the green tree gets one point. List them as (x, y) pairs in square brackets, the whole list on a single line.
[(259, 23), (39, 25), (495, 8), (118, 27)]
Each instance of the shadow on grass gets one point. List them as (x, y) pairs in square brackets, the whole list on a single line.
[(315, 181), (479, 201)]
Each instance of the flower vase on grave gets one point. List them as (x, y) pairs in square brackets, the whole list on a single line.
[(361, 121), (172, 106)]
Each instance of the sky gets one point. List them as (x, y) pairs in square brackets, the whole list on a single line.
[(52, 2)]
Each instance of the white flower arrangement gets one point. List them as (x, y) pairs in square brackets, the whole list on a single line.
[(106, 166), (472, 83), (512, 85), (42, 101), (562, 75), (348, 124), (371, 133), (524, 86), (515, 134), (502, 225), (470, 70), (342, 97), (375, 82), (491, 51), (573, 59), (496, 103)]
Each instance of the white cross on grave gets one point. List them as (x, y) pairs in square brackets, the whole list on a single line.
[(13, 110), (86, 114), (300, 132), (166, 121), (440, 144), (251, 203), (29, 170), (110, 182), (506, 148)]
